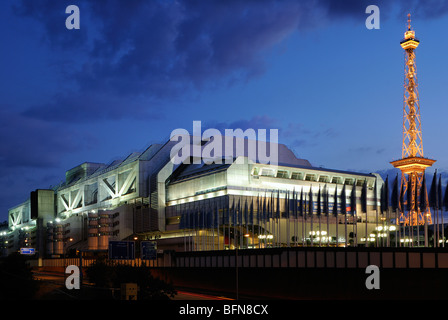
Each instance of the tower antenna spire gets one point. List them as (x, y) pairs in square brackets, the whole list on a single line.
[(412, 164)]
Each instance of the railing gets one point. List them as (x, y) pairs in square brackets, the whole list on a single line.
[(314, 258), (297, 257)]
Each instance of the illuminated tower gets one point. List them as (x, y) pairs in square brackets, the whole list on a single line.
[(412, 164)]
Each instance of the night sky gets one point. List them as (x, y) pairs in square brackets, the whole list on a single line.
[(138, 69)]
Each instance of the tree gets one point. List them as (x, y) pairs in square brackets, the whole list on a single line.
[(16, 279), (150, 287)]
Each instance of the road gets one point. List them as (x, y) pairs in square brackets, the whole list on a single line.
[(188, 295)]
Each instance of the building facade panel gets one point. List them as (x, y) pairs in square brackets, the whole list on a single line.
[(197, 206)]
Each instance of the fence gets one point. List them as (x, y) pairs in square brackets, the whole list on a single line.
[(282, 258), (315, 258), (86, 262)]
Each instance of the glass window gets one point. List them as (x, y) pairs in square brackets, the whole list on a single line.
[(336, 180), (297, 175), (267, 172), (310, 177), (349, 181), (282, 174)]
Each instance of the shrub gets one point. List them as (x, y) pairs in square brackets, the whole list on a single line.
[(110, 276)]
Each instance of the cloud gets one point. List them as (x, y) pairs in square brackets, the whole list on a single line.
[(153, 52), (307, 135), (256, 122), (295, 135), (429, 9), (51, 15), (34, 143), (32, 153), (79, 107)]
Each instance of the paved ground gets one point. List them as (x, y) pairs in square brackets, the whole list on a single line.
[(186, 295), (53, 287)]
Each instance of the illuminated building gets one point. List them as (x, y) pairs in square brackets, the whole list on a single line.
[(147, 196), (225, 202)]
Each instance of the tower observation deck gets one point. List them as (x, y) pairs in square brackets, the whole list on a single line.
[(413, 163)]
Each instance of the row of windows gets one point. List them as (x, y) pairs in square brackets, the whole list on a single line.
[(114, 233), (295, 175)]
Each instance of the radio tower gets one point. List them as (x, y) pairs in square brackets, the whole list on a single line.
[(412, 164)]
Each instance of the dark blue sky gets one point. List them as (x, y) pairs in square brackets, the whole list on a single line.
[(138, 69)]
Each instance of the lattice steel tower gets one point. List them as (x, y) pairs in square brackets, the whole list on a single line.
[(412, 164)]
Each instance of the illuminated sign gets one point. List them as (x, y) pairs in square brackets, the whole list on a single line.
[(148, 250), (122, 250), (27, 251)]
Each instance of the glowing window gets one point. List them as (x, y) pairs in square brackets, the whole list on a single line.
[(310, 177), (267, 172), (297, 175), (336, 180), (282, 174), (349, 181)]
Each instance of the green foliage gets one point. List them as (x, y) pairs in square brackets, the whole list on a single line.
[(112, 276), (101, 274), (16, 279)]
